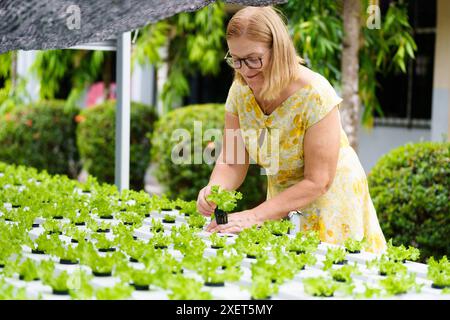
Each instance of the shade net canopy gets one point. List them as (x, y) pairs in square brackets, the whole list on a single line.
[(56, 24)]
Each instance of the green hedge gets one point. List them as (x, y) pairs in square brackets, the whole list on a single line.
[(410, 188), (41, 135), (96, 136), (185, 180)]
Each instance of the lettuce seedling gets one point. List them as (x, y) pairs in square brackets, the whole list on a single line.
[(82, 289), (344, 273), (279, 227), (334, 256), (400, 283), (225, 201), (103, 243), (217, 241), (254, 251), (262, 288), (131, 218), (355, 246), (28, 270), (303, 244), (10, 292), (439, 272), (169, 218), (67, 255), (157, 226), (402, 254), (386, 266), (196, 221), (319, 287), (159, 241), (120, 291), (183, 288)]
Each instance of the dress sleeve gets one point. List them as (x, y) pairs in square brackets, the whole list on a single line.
[(323, 99), (232, 98)]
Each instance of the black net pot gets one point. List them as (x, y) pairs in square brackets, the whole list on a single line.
[(221, 216)]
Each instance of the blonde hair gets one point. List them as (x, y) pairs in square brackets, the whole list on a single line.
[(266, 25)]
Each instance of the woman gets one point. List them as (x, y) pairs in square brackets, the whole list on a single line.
[(316, 171)]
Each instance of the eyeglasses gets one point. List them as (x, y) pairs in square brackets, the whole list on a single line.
[(251, 63)]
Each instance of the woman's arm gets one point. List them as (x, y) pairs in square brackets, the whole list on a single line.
[(321, 152), (233, 161), (231, 166)]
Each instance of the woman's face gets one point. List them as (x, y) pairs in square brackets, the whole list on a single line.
[(243, 47)]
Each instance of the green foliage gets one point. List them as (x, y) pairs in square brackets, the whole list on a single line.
[(217, 241), (387, 266), (279, 227), (319, 287), (317, 30), (410, 188), (52, 66), (96, 141), (334, 256), (41, 135), (401, 253), (224, 199), (184, 180), (195, 43), (353, 245), (439, 271), (183, 288), (120, 291), (400, 283), (344, 273)]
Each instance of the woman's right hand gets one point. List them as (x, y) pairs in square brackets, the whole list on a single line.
[(204, 206)]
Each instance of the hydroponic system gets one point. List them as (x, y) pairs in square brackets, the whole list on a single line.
[(60, 239)]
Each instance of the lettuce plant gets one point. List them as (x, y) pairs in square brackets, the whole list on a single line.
[(159, 241), (67, 255), (28, 270), (319, 287), (169, 218), (10, 292), (439, 272), (279, 227), (225, 201), (354, 246), (254, 251), (344, 273), (103, 242), (131, 218), (196, 221), (334, 256), (401, 253), (157, 225), (183, 288), (387, 266), (400, 283), (120, 291), (369, 292), (303, 243), (82, 289), (262, 288), (217, 241)]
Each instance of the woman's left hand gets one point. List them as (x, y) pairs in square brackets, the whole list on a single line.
[(237, 222)]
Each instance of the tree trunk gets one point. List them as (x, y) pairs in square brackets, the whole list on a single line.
[(350, 69)]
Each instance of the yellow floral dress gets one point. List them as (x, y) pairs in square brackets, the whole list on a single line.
[(275, 142)]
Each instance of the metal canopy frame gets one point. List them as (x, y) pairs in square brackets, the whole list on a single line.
[(122, 46)]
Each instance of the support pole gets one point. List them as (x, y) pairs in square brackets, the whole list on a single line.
[(122, 160)]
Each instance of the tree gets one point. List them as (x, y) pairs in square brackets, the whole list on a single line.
[(325, 33)]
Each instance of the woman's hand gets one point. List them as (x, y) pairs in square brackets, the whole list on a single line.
[(237, 222), (204, 206)]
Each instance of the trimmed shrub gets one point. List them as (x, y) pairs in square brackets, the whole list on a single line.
[(96, 141), (41, 135), (185, 180), (410, 188)]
